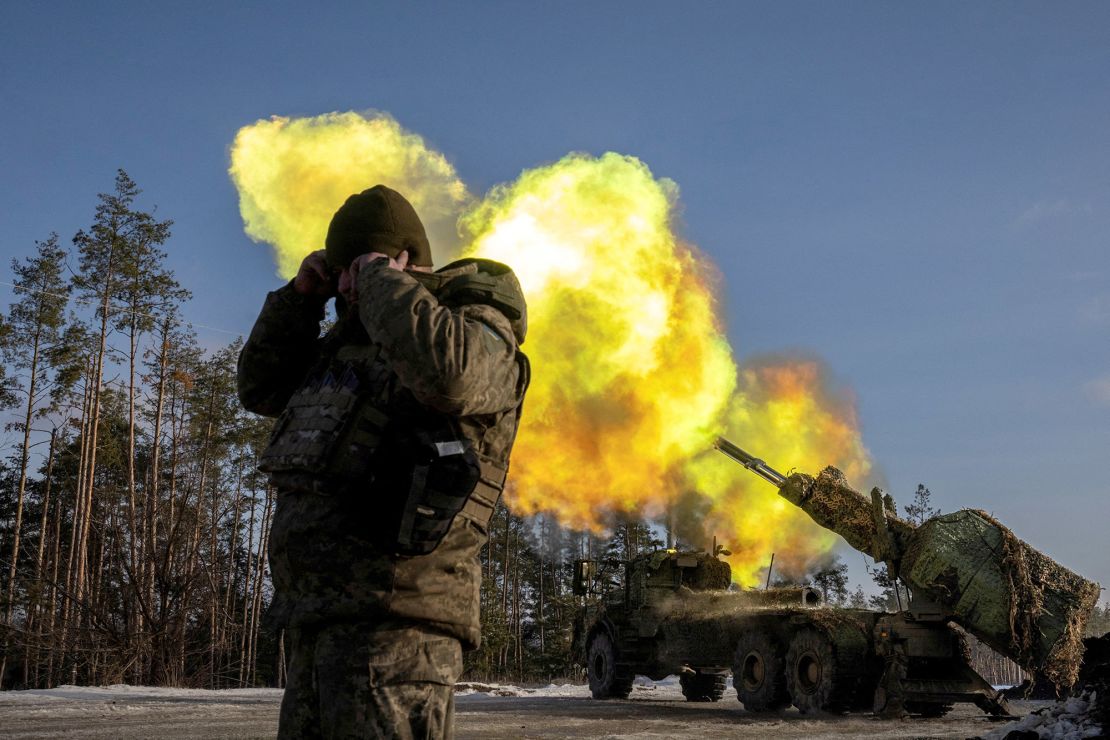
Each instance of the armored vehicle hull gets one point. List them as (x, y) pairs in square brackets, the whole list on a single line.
[(781, 646)]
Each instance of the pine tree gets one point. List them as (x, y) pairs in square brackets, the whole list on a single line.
[(33, 330), (832, 581), (146, 291), (140, 538), (631, 537), (8, 386), (891, 597), (921, 508), (1099, 623), (119, 246)]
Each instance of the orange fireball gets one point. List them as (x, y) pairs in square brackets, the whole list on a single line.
[(633, 377)]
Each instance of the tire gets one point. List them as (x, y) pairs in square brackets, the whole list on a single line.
[(759, 673), (812, 675), (703, 686), (607, 681)]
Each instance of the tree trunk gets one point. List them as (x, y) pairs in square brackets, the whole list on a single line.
[(248, 594), (152, 498), (263, 554), (55, 643), (21, 490), (516, 612), (539, 614), (73, 574), (231, 585), (137, 577), (90, 463), (35, 608)]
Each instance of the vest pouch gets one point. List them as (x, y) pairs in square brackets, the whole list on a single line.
[(424, 479), (327, 433)]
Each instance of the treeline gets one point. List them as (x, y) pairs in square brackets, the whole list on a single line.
[(133, 521), (528, 610), (133, 545)]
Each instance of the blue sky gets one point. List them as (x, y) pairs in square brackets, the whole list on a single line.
[(917, 194)]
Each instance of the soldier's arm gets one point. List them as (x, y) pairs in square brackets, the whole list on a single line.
[(282, 346), (458, 360)]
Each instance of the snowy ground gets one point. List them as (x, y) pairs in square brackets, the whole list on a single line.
[(655, 710), (138, 712)]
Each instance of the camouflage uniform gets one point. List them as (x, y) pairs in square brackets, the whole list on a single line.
[(346, 598), (379, 682)]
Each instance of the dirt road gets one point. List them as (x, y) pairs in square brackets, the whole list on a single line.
[(658, 715), (651, 712)]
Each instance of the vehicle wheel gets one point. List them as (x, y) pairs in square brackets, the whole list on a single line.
[(928, 709), (703, 686), (606, 681), (812, 675), (759, 673)]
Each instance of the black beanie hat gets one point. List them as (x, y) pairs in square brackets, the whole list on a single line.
[(376, 220)]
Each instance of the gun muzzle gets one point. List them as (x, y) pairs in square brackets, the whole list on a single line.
[(751, 462)]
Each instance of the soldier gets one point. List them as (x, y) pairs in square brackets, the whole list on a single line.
[(389, 453)]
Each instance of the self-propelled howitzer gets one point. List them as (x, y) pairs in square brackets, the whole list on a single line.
[(964, 566)]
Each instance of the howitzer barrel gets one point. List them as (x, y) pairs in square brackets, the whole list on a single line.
[(752, 463), (832, 503), (1012, 597)]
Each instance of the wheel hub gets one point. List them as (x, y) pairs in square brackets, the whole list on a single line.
[(599, 666), (808, 673), (754, 671)]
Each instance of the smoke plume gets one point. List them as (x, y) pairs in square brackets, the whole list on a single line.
[(293, 173), (633, 375)]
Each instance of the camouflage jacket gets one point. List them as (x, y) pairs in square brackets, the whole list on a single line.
[(462, 360)]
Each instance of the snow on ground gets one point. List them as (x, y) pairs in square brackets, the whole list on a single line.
[(1068, 719), (642, 686), (122, 711), (134, 693), (476, 690), (655, 709), (124, 692)]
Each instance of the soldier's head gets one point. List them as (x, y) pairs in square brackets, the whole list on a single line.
[(377, 220)]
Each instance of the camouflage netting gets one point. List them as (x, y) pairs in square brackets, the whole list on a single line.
[(1012, 597), (698, 571), (712, 574), (833, 504)]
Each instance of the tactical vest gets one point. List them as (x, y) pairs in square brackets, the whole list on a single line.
[(353, 430)]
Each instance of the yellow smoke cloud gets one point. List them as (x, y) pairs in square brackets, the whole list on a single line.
[(292, 175), (630, 370), (633, 376), (785, 412)]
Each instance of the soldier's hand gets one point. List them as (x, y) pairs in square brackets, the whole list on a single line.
[(348, 281), (398, 263), (314, 278)]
